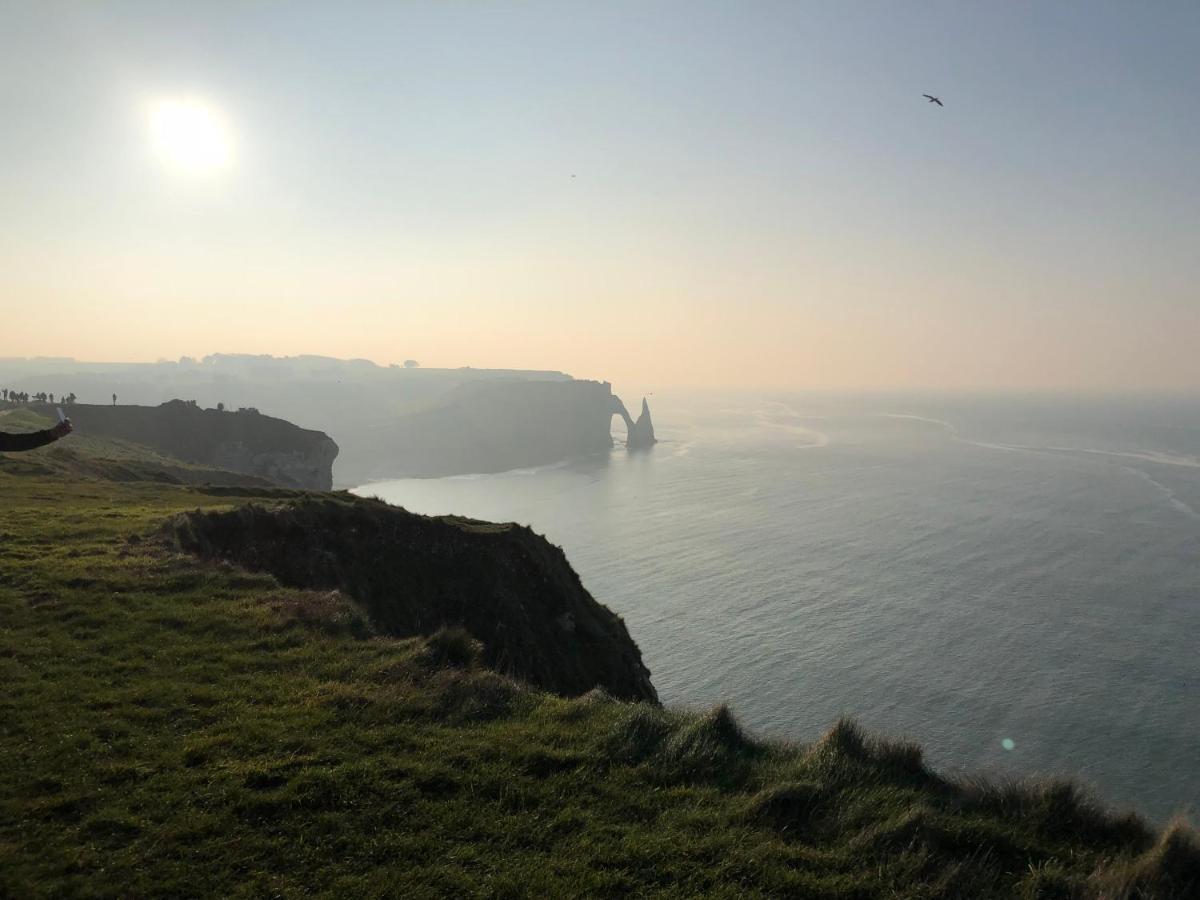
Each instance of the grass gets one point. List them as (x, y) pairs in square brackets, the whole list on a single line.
[(90, 457), (174, 728)]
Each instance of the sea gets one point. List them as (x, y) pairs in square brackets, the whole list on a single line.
[(1011, 581)]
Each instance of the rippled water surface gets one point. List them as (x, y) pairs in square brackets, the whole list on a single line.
[(1013, 582)]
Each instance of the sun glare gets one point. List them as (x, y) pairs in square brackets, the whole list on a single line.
[(190, 136)]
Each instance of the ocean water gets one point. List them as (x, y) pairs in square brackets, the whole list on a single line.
[(1012, 582)]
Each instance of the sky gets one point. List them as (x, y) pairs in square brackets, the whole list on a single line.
[(741, 194)]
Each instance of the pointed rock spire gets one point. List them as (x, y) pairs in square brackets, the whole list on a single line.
[(642, 432)]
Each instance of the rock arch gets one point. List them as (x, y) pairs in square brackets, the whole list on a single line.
[(639, 434)]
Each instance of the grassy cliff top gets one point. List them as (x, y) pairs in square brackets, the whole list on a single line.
[(171, 727), (86, 456)]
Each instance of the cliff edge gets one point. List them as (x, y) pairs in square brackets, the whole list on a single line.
[(246, 441), (509, 588)]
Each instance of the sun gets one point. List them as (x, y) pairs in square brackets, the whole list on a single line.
[(190, 136)]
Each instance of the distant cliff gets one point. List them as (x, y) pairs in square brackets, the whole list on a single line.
[(492, 426), (510, 588), (388, 421), (245, 442)]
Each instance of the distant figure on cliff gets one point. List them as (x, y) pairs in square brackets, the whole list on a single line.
[(33, 440), (114, 399)]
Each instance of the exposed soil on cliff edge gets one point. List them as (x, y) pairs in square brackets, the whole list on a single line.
[(509, 587)]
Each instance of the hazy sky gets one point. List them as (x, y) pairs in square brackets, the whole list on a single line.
[(749, 194)]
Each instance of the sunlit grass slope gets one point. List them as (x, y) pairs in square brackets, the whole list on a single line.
[(175, 728)]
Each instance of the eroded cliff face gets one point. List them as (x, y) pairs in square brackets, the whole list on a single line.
[(245, 442), (487, 426), (510, 588)]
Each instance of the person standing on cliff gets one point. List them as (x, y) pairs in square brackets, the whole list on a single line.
[(13, 442)]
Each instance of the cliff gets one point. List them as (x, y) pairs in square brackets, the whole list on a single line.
[(388, 421), (244, 442), (491, 426), (508, 587)]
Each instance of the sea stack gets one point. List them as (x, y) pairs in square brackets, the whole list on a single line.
[(642, 433)]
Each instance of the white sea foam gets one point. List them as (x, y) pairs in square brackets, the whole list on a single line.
[(819, 439), (1169, 495), (769, 420), (1154, 456), (942, 423), (538, 470)]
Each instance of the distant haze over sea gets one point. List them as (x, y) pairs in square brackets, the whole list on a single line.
[(1013, 582)]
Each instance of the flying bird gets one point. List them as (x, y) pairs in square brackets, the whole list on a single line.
[(933, 99)]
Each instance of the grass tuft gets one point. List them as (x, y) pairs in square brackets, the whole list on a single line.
[(913, 829), (1056, 806), (478, 696), (452, 647), (709, 746), (597, 695), (1051, 880), (1168, 869), (790, 808), (331, 612), (846, 751), (639, 733)]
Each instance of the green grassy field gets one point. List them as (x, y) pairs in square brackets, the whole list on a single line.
[(175, 728)]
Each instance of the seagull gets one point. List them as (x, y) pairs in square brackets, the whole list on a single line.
[(933, 99)]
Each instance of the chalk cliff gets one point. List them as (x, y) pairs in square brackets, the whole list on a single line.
[(492, 426)]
